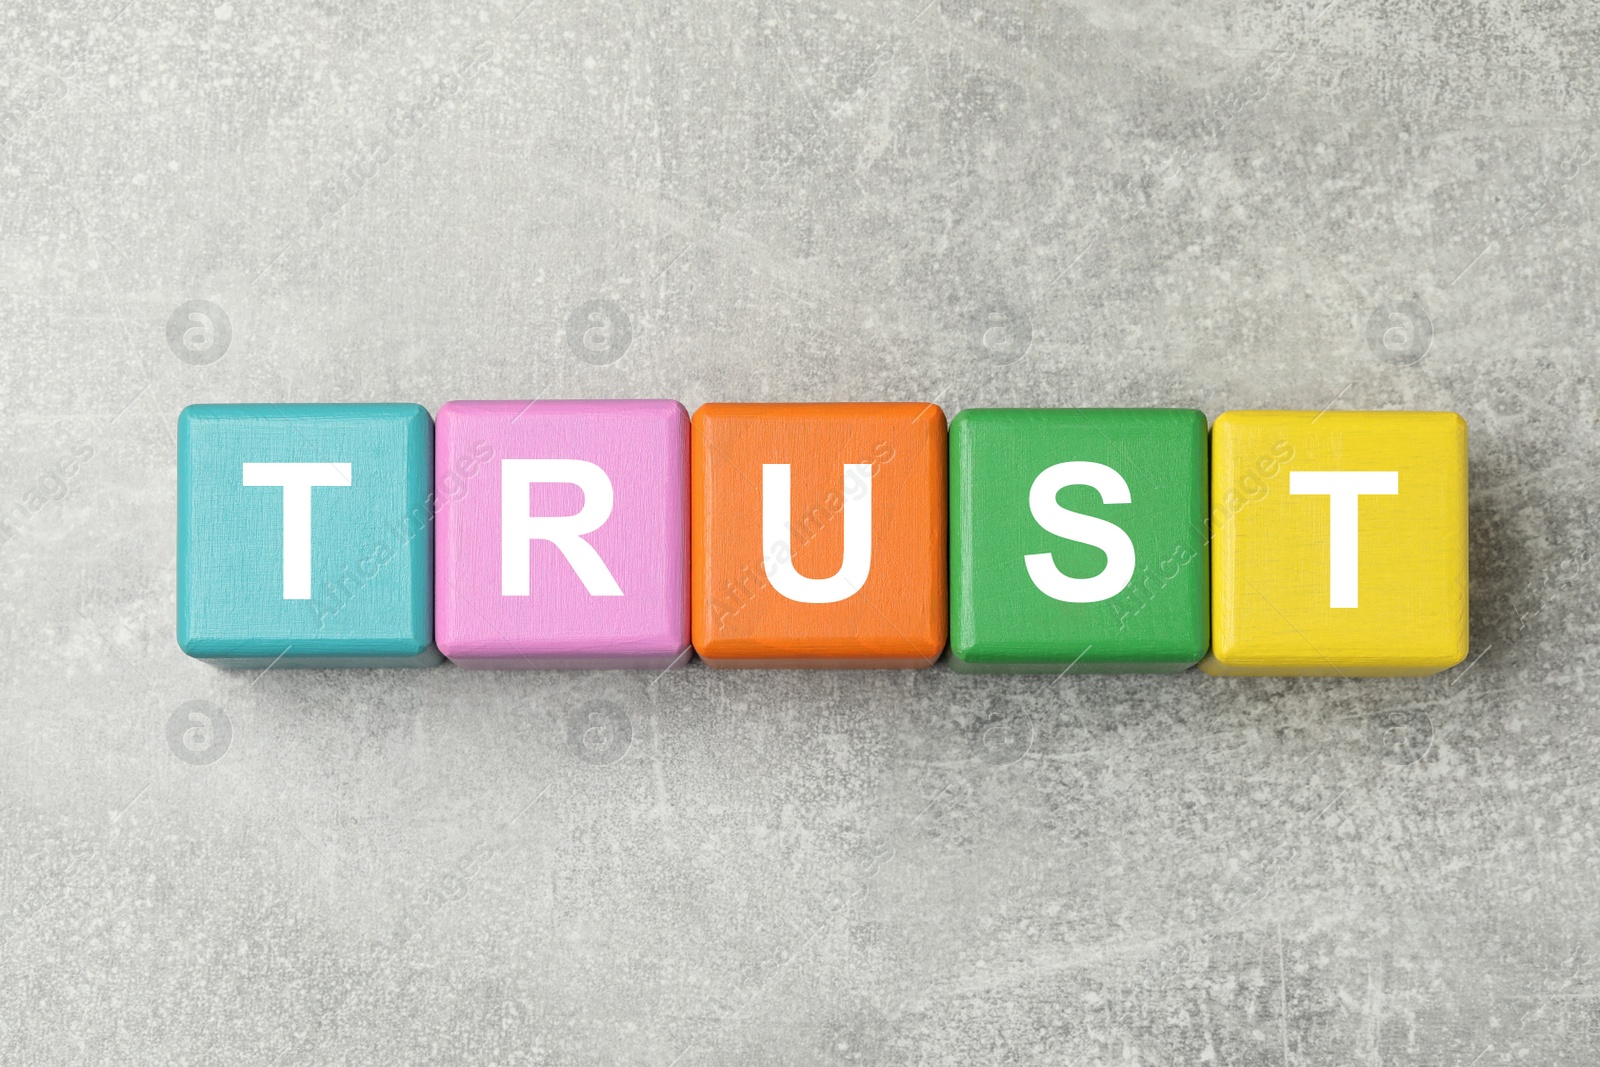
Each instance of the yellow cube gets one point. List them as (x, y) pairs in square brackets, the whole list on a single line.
[(1338, 543)]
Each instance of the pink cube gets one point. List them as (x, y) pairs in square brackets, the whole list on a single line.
[(562, 533)]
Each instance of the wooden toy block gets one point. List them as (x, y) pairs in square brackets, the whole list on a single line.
[(1339, 543), (1078, 540), (563, 533), (819, 535), (305, 535)]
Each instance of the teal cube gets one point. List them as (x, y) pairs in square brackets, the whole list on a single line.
[(305, 535), (1078, 540)]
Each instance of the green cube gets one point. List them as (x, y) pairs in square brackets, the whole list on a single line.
[(1078, 540)]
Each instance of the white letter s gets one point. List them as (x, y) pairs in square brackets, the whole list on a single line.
[(1107, 537)]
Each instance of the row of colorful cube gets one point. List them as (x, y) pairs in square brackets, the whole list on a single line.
[(583, 534)]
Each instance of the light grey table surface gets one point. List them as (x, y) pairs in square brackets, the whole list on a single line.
[(1217, 204)]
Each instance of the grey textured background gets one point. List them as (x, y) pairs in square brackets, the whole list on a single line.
[(1221, 203)]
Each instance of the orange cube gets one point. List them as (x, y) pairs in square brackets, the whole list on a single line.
[(819, 535)]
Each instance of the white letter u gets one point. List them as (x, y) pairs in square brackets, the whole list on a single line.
[(779, 549)]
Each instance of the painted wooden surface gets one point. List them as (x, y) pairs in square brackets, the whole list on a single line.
[(1281, 605), (642, 621), (1148, 611), (369, 598), (839, 456)]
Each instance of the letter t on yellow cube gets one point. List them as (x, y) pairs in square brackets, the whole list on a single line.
[(1338, 543)]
